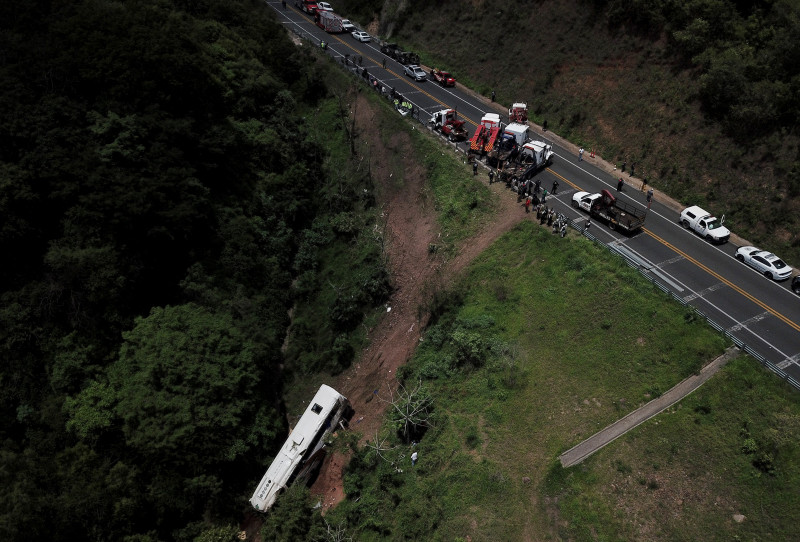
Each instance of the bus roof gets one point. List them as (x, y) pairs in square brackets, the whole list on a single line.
[(293, 450)]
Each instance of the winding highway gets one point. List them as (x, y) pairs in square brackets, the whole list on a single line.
[(762, 314)]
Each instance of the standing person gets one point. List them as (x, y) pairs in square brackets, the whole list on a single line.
[(623, 166), (649, 198), (633, 169), (555, 186), (580, 154), (492, 95), (284, 4), (588, 224), (620, 183), (544, 195), (536, 186), (414, 457), (384, 63), (644, 184), (491, 176), (527, 205), (474, 167)]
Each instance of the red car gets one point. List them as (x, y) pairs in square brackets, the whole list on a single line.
[(443, 78)]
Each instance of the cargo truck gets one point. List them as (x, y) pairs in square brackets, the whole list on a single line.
[(604, 206), (329, 21)]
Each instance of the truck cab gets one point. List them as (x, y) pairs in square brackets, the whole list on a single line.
[(306, 6), (443, 78), (450, 125), (704, 224), (518, 113)]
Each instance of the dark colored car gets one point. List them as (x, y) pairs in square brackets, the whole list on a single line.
[(796, 285)]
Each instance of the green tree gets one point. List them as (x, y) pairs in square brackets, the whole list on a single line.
[(187, 385)]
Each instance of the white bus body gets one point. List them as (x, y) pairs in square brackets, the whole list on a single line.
[(303, 449)]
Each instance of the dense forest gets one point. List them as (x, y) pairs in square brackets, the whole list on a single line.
[(163, 205)]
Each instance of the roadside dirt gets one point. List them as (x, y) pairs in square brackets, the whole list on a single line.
[(410, 227)]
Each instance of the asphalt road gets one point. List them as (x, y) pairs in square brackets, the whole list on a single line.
[(763, 314)]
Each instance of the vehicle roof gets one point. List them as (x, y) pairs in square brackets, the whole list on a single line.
[(535, 145), (516, 128), (697, 210)]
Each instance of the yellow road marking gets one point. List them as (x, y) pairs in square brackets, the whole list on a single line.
[(728, 283)]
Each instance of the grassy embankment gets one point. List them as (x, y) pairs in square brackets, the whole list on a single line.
[(346, 250), (527, 362)]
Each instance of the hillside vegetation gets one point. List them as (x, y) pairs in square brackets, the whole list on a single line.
[(164, 204), (703, 96)]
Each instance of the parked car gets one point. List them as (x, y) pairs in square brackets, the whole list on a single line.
[(764, 262), (361, 36), (347, 26), (415, 72), (324, 6), (796, 285)]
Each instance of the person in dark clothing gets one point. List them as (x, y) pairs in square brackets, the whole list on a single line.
[(555, 186), (491, 176), (619, 185), (492, 95), (474, 167), (537, 185)]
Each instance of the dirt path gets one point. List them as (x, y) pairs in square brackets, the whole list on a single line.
[(575, 455)]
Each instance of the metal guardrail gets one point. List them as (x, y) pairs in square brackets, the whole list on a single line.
[(747, 349), (352, 65)]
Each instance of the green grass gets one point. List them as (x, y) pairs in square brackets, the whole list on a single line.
[(557, 361)]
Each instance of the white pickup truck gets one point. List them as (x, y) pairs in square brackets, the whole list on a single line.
[(704, 224)]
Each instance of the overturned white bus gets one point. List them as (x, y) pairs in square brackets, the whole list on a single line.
[(304, 450)]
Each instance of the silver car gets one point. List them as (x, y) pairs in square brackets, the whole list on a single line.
[(361, 36), (415, 72)]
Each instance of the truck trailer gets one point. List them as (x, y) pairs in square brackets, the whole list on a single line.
[(617, 214), (329, 21)]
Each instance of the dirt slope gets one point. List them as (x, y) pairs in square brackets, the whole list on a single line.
[(410, 227)]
